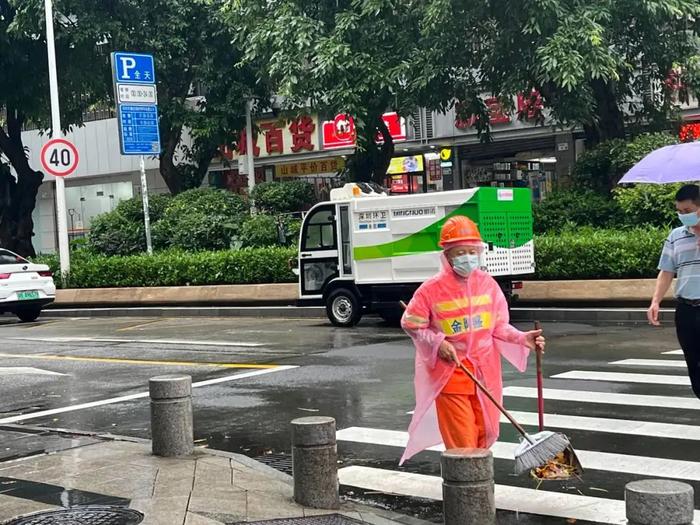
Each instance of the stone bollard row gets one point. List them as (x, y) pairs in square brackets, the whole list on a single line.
[(315, 462), (659, 502), (468, 487), (171, 415)]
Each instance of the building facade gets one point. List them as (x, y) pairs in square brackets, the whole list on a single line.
[(433, 152)]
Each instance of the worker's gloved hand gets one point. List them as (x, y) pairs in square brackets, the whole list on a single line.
[(448, 352), (534, 340)]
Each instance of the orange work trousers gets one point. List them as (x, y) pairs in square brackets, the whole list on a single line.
[(461, 421)]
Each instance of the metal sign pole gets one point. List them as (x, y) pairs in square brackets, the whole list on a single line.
[(146, 212), (250, 147), (61, 216)]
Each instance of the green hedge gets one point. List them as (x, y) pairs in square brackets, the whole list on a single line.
[(173, 268), (585, 253), (599, 254)]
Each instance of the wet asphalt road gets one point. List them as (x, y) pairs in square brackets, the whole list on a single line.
[(362, 377)]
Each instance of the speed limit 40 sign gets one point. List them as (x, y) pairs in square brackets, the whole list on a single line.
[(59, 157)]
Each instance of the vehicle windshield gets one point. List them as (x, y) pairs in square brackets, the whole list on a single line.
[(7, 257)]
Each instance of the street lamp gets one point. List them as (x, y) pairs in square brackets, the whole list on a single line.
[(61, 217)]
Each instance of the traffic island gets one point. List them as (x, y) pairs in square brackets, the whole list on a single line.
[(206, 488)]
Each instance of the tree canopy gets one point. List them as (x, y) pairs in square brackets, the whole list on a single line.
[(595, 63), (354, 57)]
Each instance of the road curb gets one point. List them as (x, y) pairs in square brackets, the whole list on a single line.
[(288, 312), (595, 316), (265, 470)]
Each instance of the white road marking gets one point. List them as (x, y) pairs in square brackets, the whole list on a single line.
[(656, 363), (516, 499), (22, 370), (674, 352), (140, 395), (144, 341), (584, 396), (621, 377), (639, 465), (614, 426)]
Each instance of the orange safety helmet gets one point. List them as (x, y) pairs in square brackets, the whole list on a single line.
[(459, 229)]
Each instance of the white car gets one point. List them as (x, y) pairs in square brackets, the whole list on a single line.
[(25, 287)]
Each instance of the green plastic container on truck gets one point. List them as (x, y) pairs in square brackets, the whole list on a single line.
[(363, 252)]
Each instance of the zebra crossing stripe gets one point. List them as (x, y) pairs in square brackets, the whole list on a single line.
[(627, 464), (656, 363), (515, 499), (674, 352), (585, 396), (612, 426), (623, 377)]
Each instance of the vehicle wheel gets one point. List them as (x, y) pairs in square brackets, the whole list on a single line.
[(343, 308), (27, 315)]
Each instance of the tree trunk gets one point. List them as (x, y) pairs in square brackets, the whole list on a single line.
[(370, 161), (17, 196), (610, 119), (167, 168)]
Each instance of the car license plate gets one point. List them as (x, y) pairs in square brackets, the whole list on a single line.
[(27, 296)]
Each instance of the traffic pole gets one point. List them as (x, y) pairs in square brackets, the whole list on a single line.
[(146, 209), (61, 215)]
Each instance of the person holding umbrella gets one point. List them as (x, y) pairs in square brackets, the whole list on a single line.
[(680, 258)]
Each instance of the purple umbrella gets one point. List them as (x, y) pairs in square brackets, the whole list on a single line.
[(677, 163)]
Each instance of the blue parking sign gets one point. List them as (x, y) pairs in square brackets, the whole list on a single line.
[(133, 68)]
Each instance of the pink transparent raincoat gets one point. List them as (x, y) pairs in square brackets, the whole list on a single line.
[(472, 314)]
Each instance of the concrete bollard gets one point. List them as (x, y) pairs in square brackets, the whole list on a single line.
[(467, 487), (171, 415), (659, 502), (315, 462)]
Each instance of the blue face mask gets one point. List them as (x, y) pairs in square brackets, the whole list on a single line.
[(689, 219), (463, 265)]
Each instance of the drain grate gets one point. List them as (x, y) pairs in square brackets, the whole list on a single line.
[(328, 519), (81, 516), (281, 462)]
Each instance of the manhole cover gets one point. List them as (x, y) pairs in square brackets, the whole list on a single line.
[(328, 519), (281, 462), (81, 516)]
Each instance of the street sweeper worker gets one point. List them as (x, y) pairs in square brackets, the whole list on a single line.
[(460, 315)]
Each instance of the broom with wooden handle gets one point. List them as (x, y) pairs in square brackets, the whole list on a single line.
[(540, 382), (535, 450)]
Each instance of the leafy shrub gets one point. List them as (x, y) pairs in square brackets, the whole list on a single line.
[(600, 168), (284, 197), (121, 231), (202, 219), (595, 169), (588, 253), (292, 228), (259, 230), (566, 209), (176, 268), (648, 204)]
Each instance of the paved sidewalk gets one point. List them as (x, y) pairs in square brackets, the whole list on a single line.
[(209, 488)]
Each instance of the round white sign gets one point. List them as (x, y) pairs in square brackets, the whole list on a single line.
[(59, 157)]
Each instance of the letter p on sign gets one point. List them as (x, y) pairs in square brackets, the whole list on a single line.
[(127, 64)]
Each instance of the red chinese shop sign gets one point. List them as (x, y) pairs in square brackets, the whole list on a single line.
[(340, 132)]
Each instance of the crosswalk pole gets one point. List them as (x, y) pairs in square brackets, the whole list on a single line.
[(468, 487), (659, 502), (315, 462)]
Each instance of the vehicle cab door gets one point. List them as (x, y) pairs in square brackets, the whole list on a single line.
[(318, 251)]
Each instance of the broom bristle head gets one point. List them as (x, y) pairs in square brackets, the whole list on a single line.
[(547, 445)]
